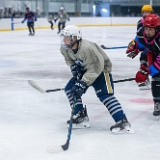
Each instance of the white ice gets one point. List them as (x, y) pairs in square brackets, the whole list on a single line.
[(31, 121)]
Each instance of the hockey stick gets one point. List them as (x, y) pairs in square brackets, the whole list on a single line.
[(124, 80), (54, 149), (34, 85), (104, 47), (66, 145), (16, 22)]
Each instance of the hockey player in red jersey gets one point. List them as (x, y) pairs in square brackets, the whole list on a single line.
[(146, 9), (149, 36)]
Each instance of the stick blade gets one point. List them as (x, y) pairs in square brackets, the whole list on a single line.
[(34, 85), (55, 149)]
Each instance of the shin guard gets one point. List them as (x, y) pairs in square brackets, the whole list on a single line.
[(156, 89)]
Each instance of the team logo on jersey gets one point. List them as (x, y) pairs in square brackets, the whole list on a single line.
[(98, 91)]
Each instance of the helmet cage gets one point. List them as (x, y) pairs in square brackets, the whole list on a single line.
[(71, 31)]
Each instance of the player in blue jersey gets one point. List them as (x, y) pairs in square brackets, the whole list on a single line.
[(30, 17)]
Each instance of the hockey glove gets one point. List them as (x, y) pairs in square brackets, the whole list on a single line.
[(79, 88), (142, 75), (80, 68), (55, 20), (74, 70), (155, 67), (132, 50)]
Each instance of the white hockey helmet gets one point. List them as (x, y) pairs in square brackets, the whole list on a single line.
[(72, 31), (62, 8)]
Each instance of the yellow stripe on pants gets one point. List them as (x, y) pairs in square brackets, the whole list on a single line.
[(108, 83)]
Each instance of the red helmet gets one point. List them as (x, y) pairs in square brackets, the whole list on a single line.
[(152, 21)]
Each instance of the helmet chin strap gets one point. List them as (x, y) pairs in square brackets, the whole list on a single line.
[(72, 44)]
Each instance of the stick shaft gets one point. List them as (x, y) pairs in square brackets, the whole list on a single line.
[(104, 47), (34, 85), (66, 145), (124, 80), (16, 22), (118, 81)]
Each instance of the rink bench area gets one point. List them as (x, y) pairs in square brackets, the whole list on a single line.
[(42, 23)]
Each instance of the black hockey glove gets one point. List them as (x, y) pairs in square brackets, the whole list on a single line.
[(77, 71), (55, 20), (79, 88), (80, 68), (74, 70)]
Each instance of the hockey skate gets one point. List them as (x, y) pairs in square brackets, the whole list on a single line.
[(156, 111), (122, 126), (145, 85), (80, 120), (30, 34)]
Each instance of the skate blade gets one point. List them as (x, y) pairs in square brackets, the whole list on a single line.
[(125, 130), (145, 86), (80, 126), (157, 118), (142, 89)]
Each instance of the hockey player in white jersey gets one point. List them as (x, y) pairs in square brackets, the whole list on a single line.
[(63, 17), (90, 66)]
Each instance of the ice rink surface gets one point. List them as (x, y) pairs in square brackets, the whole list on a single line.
[(31, 121)]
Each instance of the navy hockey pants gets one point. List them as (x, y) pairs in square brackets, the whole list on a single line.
[(104, 89)]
